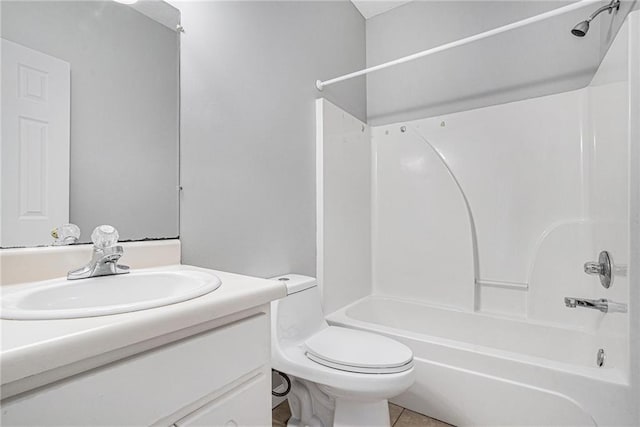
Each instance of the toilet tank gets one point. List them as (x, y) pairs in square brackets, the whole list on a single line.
[(299, 315)]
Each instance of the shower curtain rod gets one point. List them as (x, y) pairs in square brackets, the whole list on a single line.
[(573, 6)]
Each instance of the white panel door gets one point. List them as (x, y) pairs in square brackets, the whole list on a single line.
[(34, 150)]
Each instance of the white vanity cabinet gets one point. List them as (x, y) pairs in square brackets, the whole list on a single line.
[(216, 377), (234, 408)]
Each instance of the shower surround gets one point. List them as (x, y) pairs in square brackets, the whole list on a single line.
[(460, 235)]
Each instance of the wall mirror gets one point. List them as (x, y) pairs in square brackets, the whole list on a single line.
[(90, 119)]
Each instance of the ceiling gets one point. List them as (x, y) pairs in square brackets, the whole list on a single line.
[(369, 8)]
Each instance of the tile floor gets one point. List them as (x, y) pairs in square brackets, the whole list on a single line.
[(400, 417)]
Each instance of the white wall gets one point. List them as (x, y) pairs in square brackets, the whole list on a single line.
[(546, 192), (634, 207), (422, 240), (248, 127), (343, 168), (536, 60), (518, 164), (609, 180)]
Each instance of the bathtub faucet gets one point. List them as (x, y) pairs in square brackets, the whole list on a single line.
[(602, 304)]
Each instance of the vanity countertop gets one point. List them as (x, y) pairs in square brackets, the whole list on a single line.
[(34, 349)]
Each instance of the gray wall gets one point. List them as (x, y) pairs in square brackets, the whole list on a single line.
[(536, 60), (124, 110), (248, 127)]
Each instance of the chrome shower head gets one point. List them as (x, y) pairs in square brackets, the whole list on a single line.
[(581, 28)]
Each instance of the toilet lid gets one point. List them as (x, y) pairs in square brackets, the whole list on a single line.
[(358, 351)]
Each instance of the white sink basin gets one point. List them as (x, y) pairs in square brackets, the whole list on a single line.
[(101, 296)]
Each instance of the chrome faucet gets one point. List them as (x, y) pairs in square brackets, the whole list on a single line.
[(104, 261), (602, 304)]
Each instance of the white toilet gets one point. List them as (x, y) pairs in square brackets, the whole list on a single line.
[(339, 376)]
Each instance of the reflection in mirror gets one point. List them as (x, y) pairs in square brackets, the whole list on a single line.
[(90, 113)]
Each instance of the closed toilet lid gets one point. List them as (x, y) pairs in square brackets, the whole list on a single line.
[(358, 351)]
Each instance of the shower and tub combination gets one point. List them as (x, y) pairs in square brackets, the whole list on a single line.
[(501, 244)]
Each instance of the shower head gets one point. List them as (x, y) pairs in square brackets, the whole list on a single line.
[(581, 28)]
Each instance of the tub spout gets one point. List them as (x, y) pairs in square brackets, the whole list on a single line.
[(602, 304), (570, 302)]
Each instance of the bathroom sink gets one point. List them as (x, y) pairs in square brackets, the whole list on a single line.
[(101, 296)]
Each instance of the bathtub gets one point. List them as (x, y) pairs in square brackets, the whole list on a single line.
[(479, 369)]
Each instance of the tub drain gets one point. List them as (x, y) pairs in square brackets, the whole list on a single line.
[(600, 358)]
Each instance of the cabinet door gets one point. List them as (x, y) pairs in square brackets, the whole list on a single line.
[(246, 405), (151, 387)]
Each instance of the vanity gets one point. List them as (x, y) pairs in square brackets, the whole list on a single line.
[(91, 138), (204, 361)]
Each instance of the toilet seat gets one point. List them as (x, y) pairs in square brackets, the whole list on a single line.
[(358, 351)]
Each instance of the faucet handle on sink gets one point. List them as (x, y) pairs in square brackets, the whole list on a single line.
[(65, 234), (104, 236)]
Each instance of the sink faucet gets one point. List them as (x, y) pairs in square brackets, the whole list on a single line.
[(602, 304), (104, 261)]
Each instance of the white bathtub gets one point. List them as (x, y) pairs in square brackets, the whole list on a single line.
[(477, 369)]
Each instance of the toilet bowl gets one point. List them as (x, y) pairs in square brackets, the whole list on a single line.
[(339, 376)]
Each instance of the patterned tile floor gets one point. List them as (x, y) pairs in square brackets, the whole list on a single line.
[(400, 417)]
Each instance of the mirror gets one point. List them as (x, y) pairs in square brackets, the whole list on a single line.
[(90, 119)]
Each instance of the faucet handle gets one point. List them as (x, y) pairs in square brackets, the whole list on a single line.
[(65, 234), (593, 267), (603, 268), (104, 236)]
